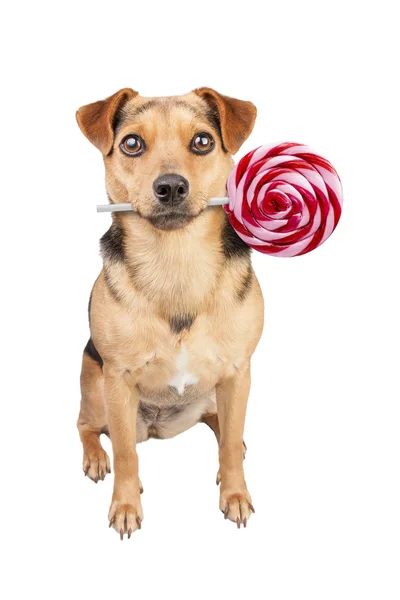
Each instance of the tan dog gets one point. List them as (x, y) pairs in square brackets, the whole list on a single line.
[(176, 311)]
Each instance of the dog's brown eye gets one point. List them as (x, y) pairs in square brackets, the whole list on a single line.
[(202, 143), (133, 145)]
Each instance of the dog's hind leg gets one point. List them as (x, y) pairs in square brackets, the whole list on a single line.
[(92, 421)]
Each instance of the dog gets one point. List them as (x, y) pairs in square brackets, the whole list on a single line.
[(177, 311)]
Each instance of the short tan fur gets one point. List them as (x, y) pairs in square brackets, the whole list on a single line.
[(177, 311)]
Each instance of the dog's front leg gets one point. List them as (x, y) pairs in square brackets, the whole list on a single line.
[(232, 394), (122, 399)]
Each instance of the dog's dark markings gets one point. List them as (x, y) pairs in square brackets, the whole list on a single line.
[(118, 120), (148, 413), (165, 105), (233, 246), (171, 412), (180, 322), (245, 284), (91, 350), (212, 117), (111, 287), (187, 106), (168, 103), (131, 112), (153, 414), (140, 110), (112, 244)]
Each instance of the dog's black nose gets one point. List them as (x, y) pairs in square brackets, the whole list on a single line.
[(171, 189)]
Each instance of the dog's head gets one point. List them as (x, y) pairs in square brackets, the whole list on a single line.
[(167, 156)]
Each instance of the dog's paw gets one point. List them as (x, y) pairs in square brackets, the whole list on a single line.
[(125, 518), (237, 507), (96, 464)]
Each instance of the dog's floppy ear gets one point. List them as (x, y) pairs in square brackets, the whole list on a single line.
[(97, 120), (235, 117)]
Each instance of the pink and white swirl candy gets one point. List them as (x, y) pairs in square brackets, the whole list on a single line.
[(284, 199)]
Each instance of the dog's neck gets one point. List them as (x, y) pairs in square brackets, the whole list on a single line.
[(176, 270)]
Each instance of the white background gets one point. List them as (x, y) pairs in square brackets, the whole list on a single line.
[(323, 420)]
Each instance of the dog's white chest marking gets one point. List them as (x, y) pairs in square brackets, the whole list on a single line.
[(183, 377)]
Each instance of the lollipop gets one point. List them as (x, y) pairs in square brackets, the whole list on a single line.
[(283, 199)]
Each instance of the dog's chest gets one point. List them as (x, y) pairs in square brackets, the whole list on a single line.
[(181, 369), (182, 376)]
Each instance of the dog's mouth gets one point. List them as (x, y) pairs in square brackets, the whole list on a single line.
[(171, 220), (169, 217), (173, 217)]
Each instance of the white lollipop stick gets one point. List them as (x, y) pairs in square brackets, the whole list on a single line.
[(126, 207)]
